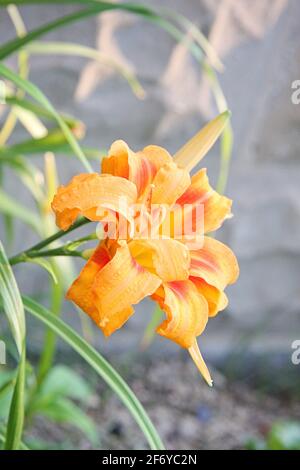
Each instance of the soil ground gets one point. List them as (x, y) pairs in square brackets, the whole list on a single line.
[(187, 413)]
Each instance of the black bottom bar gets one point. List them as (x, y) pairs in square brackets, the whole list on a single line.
[(134, 459)]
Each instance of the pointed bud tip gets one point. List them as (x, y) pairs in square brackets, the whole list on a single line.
[(226, 114), (198, 146), (208, 379)]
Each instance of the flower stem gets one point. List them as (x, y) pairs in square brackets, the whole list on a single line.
[(61, 251), (35, 252)]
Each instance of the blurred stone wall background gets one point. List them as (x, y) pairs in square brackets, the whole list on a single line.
[(259, 43)]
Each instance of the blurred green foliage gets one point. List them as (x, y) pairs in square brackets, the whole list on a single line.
[(284, 435)]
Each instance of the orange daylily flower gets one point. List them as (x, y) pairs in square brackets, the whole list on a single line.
[(186, 281)]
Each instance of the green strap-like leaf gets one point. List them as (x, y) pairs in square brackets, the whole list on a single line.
[(40, 110), (54, 141), (12, 302), (101, 366), (13, 208), (70, 48), (94, 7), (62, 410), (2, 439), (36, 93), (16, 411), (14, 310), (45, 264)]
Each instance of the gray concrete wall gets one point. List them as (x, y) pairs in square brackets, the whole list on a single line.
[(259, 44)]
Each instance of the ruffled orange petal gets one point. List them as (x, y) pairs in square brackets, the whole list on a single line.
[(158, 156), (138, 167), (169, 184), (216, 298), (89, 194), (80, 291), (120, 284), (215, 263), (186, 310), (116, 163), (215, 207), (169, 259)]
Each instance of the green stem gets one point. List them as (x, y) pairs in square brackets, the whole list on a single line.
[(49, 349), (59, 234), (24, 255), (61, 251)]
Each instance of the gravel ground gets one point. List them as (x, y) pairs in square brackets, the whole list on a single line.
[(187, 413)]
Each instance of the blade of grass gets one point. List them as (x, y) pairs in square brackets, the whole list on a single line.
[(94, 7), (54, 141), (10, 206), (29, 174), (197, 35), (101, 366), (10, 157), (2, 439), (16, 411), (48, 352), (9, 234), (31, 123), (5, 388), (35, 93), (40, 111), (14, 310), (68, 48), (16, 44), (12, 302), (45, 264), (227, 136)]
